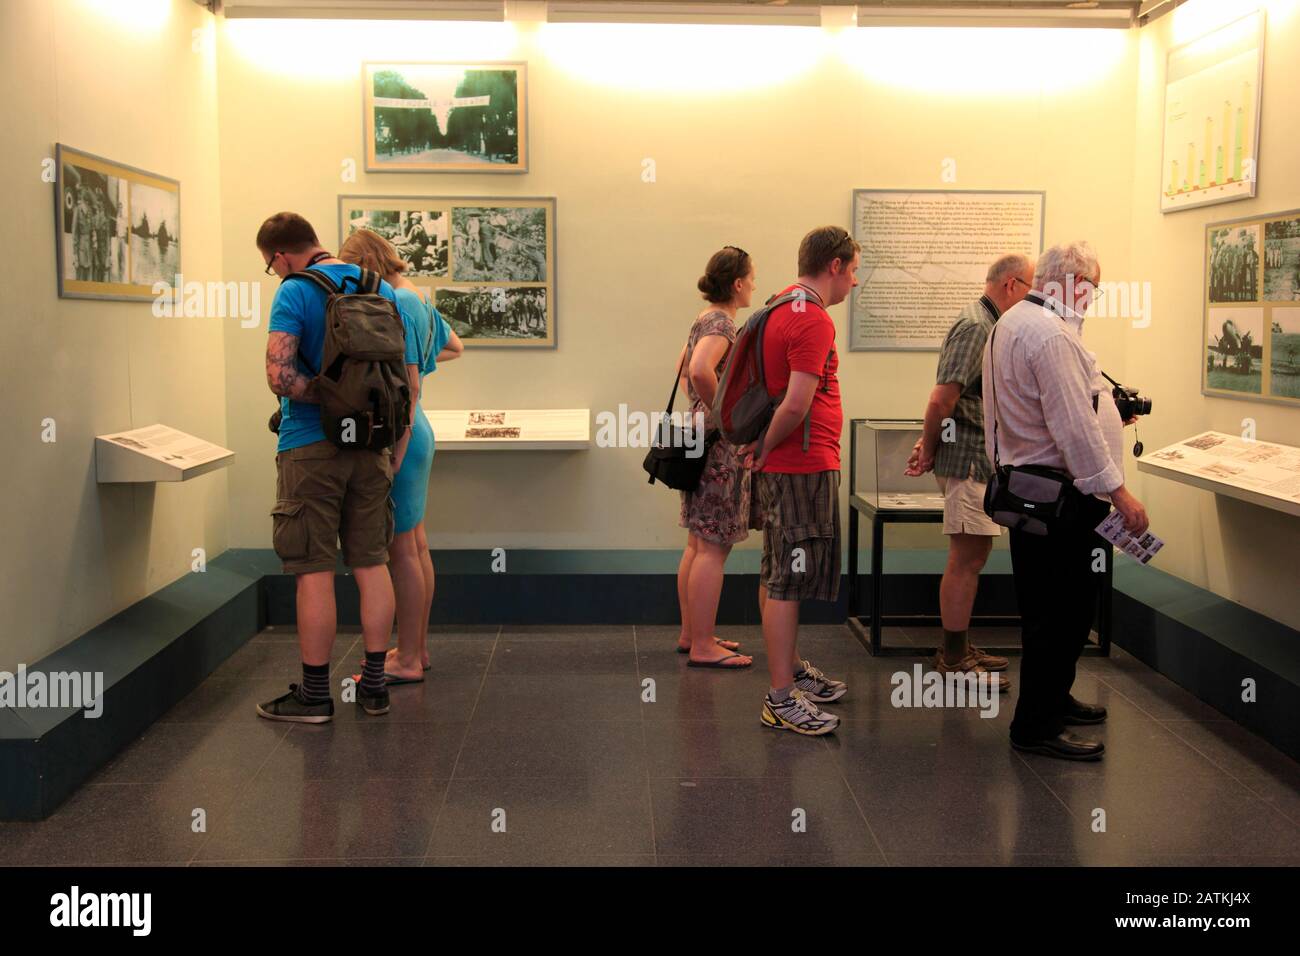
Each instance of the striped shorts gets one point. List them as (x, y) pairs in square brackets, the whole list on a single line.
[(801, 535)]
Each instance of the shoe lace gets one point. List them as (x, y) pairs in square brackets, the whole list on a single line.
[(805, 706), (813, 672)]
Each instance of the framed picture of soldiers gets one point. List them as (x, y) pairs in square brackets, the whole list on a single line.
[(117, 229), (1252, 309), (445, 117), (488, 264)]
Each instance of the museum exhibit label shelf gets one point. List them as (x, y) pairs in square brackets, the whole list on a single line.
[(156, 453), (518, 429), (1259, 472)]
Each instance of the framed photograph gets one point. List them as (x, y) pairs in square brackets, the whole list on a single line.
[(117, 228), (445, 117), (1211, 122), (487, 263), (1251, 331)]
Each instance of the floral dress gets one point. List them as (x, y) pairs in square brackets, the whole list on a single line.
[(718, 510)]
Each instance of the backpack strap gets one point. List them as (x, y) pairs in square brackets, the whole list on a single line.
[(317, 277)]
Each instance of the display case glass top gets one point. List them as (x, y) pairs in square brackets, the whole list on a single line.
[(879, 449)]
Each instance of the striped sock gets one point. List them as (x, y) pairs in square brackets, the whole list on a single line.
[(315, 688), (372, 676)]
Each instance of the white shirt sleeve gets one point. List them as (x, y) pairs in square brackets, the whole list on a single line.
[(1066, 390)]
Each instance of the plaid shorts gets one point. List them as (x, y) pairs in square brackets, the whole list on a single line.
[(801, 535)]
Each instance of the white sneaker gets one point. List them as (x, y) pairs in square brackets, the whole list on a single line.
[(818, 686), (798, 713)]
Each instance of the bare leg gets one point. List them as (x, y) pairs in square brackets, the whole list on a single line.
[(408, 582), (316, 616), (377, 605), (780, 631), (704, 588), (683, 576), (426, 566), (967, 554)]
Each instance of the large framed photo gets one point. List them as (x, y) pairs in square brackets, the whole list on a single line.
[(487, 262), (446, 117), (1212, 101), (117, 229), (1252, 309)]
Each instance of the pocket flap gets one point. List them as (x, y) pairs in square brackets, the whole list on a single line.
[(287, 507)]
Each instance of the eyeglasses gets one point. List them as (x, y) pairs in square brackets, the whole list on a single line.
[(271, 261), (1021, 281)]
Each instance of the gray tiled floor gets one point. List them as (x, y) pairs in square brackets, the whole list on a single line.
[(534, 745)]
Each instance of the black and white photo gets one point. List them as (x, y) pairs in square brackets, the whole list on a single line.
[(499, 244)]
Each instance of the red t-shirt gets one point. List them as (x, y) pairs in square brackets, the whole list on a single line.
[(804, 341)]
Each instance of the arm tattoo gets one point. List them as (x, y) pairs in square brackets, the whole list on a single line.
[(282, 373)]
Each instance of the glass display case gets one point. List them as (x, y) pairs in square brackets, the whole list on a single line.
[(878, 451)]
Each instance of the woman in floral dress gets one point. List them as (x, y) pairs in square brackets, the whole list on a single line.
[(716, 514)]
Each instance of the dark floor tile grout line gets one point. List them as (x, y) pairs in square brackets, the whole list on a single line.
[(645, 750), (1235, 778), (469, 724)]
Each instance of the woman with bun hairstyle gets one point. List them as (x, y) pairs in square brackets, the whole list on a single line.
[(716, 513)]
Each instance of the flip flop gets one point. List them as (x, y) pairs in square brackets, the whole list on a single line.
[(392, 679), (717, 640), (721, 663)]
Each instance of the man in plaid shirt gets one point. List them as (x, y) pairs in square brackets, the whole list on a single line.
[(952, 445)]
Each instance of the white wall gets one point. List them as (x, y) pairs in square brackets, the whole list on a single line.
[(123, 81), (1234, 549), (758, 134)]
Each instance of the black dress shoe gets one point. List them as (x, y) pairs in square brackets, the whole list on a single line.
[(1064, 746), (1081, 713)]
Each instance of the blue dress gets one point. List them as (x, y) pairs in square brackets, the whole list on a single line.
[(411, 483)]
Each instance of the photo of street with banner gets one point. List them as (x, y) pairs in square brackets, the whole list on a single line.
[(117, 228), (445, 117), (1252, 324), (487, 263)]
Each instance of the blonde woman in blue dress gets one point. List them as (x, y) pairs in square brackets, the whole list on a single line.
[(409, 561)]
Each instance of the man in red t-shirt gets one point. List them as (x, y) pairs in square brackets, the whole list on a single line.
[(798, 481)]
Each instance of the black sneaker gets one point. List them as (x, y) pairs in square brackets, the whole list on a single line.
[(293, 708), (373, 704)]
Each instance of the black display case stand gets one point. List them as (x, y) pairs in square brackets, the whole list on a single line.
[(868, 627)]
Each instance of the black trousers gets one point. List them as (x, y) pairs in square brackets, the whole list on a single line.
[(1058, 577)]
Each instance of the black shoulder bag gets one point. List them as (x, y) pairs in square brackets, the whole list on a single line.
[(1032, 498), (670, 460)]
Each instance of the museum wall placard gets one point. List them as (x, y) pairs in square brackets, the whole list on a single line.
[(660, 144), (1235, 549), (135, 84)]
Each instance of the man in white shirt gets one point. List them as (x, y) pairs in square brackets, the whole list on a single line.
[(1041, 407)]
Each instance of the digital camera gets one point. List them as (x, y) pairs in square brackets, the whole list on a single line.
[(1130, 403)]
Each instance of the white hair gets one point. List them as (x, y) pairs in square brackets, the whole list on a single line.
[(1013, 264), (1066, 264)]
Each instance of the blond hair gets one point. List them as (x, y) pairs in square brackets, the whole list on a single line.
[(370, 250)]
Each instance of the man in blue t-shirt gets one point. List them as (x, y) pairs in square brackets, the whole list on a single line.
[(324, 494)]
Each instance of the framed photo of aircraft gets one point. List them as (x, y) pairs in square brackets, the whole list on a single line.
[(1251, 333)]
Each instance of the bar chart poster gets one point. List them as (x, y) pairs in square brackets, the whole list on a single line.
[(1211, 131)]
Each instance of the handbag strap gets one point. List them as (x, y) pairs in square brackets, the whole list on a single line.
[(993, 385)]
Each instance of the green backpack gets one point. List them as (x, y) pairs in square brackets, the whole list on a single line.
[(365, 397)]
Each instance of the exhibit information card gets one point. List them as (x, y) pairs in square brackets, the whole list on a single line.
[(169, 445), (925, 255), (1265, 473)]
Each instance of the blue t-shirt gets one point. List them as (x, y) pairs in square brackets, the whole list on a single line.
[(430, 321), (299, 309)]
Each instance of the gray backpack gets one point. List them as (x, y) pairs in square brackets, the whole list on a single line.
[(365, 396)]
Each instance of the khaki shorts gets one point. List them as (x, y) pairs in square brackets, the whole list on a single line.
[(326, 494), (963, 507), (801, 535)]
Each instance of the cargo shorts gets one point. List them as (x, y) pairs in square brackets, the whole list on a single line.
[(326, 494), (801, 535)]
